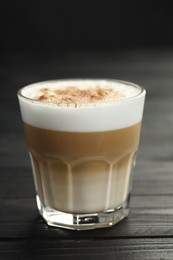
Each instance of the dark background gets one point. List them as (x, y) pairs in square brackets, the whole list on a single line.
[(63, 25)]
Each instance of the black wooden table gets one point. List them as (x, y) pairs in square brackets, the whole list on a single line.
[(148, 231)]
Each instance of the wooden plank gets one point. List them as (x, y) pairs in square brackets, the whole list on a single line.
[(150, 216), (121, 249), (16, 183)]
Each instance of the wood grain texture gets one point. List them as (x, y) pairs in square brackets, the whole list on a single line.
[(136, 249)]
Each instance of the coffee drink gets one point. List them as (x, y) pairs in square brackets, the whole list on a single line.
[(82, 137)]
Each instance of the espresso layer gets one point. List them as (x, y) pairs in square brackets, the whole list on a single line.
[(82, 172), (73, 143)]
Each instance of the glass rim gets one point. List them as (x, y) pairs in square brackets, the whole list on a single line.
[(141, 89)]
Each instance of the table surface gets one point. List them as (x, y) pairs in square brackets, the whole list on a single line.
[(147, 233)]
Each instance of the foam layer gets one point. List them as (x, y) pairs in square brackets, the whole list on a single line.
[(124, 111), (77, 92)]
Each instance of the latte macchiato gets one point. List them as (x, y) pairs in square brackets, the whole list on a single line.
[(82, 137)]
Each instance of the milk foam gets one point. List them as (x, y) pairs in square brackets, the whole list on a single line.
[(104, 116)]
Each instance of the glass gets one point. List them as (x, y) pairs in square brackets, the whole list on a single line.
[(82, 155)]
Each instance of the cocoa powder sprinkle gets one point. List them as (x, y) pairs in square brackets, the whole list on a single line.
[(76, 95)]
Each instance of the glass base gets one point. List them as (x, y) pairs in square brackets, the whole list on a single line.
[(83, 221)]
